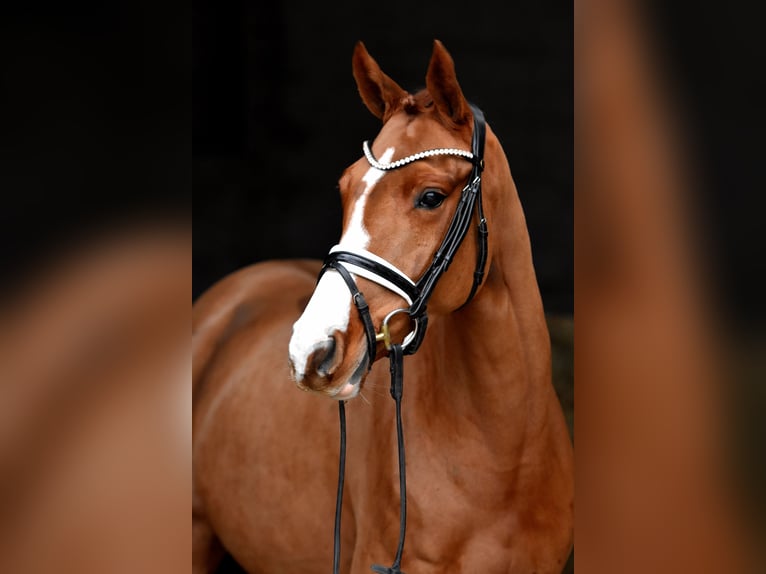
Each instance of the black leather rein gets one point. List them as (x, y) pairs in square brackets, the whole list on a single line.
[(416, 294)]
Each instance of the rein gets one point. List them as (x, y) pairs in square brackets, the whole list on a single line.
[(416, 294)]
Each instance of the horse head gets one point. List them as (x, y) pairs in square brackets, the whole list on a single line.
[(396, 215)]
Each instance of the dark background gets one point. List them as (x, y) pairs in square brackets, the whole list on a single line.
[(95, 126), (277, 117)]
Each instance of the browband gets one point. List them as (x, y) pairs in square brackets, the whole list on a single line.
[(414, 157)]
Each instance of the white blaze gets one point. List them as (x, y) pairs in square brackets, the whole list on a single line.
[(330, 305)]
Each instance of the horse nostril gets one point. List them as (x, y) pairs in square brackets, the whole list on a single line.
[(323, 357)]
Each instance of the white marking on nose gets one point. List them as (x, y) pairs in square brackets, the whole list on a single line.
[(330, 306), (327, 312)]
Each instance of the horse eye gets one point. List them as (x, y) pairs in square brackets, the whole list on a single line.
[(430, 199)]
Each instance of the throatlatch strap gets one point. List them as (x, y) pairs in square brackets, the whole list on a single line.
[(481, 257)]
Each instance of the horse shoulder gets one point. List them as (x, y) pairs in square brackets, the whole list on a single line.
[(246, 412)]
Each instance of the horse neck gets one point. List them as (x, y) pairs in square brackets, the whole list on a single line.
[(491, 359)]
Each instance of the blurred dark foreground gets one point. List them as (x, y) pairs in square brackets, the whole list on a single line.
[(95, 282), (669, 289), (95, 433)]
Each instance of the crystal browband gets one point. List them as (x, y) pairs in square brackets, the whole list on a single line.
[(414, 157)]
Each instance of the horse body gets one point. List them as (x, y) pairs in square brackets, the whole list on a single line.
[(489, 460)]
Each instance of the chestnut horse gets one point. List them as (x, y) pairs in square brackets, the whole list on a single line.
[(489, 458)]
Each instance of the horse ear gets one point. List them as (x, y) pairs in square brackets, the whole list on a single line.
[(443, 86), (379, 93)]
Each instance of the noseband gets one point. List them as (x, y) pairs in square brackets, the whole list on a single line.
[(365, 264)]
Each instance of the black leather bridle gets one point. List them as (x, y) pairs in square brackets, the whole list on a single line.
[(416, 294)]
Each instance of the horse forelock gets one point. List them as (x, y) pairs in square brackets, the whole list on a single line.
[(418, 125), (412, 104), (417, 103), (421, 104)]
